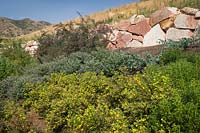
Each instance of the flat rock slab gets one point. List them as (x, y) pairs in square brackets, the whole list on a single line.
[(141, 51), (160, 15), (154, 36), (140, 28), (177, 34), (189, 10), (183, 21)]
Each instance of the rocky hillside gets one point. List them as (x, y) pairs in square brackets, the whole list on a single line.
[(12, 28), (114, 15), (169, 23)]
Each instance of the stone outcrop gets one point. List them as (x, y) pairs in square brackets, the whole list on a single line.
[(160, 15), (167, 23), (154, 36), (189, 10), (184, 21), (176, 34), (140, 28)]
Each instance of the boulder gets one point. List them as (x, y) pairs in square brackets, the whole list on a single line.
[(183, 21), (140, 28), (138, 38), (160, 15), (154, 36), (126, 37), (189, 10), (197, 15), (136, 19), (134, 43), (177, 34), (123, 25), (167, 23)]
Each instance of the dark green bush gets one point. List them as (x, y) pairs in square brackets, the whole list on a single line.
[(179, 112), (173, 55), (97, 61), (79, 62)]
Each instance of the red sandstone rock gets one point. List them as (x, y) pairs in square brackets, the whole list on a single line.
[(153, 37), (160, 15), (177, 34), (140, 28), (137, 38), (183, 21), (123, 25), (189, 10)]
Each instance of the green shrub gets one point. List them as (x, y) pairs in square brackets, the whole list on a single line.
[(13, 60), (173, 55), (179, 112), (162, 99), (95, 61), (79, 62), (87, 102)]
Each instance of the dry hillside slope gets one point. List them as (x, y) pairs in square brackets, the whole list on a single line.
[(126, 11), (13, 28)]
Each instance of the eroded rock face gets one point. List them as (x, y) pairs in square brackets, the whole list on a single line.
[(154, 36), (177, 34), (189, 10), (140, 28), (183, 21), (160, 15), (136, 19)]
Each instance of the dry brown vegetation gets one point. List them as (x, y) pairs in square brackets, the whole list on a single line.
[(114, 15)]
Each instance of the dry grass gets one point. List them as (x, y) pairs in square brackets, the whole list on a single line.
[(114, 15)]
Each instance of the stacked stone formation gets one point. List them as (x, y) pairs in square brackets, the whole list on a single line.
[(168, 23)]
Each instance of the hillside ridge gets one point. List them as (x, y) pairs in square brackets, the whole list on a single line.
[(13, 28)]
